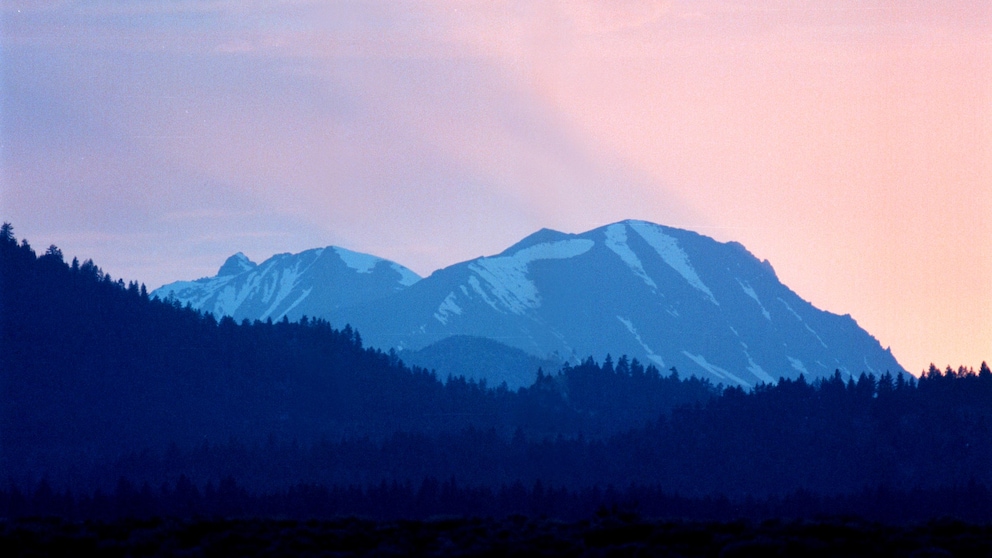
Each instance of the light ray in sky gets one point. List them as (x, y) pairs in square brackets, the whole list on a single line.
[(850, 143)]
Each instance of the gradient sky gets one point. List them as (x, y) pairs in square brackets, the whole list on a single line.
[(848, 142)]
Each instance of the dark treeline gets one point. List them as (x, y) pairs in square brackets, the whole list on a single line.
[(432, 498), (104, 388), (828, 437), (606, 534)]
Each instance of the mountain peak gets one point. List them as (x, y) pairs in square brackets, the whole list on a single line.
[(669, 297), (358, 261), (542, 236), (365, 263), (641, 223), (236, 265)]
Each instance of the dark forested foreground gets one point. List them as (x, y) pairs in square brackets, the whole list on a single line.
[(603, 535), (115, 404), (432, 498)]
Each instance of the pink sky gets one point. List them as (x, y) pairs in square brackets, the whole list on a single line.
[(850, 143)]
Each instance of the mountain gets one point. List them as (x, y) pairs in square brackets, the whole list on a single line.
[(668, 297), (311, 283), (478, 358)]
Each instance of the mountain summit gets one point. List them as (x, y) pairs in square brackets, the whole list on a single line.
[(669, 297), (238, 263), (310, 283)]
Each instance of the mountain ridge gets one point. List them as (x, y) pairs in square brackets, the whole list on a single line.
[(671, 298), (291, 285)]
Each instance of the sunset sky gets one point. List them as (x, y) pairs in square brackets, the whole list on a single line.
[(848, 142)]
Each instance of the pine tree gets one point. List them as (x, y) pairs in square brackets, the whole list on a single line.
[(7, 233), (54, 252)]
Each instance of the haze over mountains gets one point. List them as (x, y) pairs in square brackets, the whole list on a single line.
[(666, 296)]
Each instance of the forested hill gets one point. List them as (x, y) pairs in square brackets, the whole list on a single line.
[(91, 365)]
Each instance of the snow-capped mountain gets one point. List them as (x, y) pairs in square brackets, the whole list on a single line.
[(312, 283), (668, 297)]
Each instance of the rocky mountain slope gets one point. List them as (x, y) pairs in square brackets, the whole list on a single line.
[(311, 283), (670, 298)]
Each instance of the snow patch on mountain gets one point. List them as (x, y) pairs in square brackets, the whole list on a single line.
[(473, 281), (508, 283), (407, 277), (268, 287), (789, 308), (798, 365), (749, 291), (362, 263), (447, 308), (558, 250), (191, 291), (306, 293), (806, 325), (815, 334), (616, 240), (637, 336), (285, 285), (672, 254), (757, 370), (507, 275), (715, 370), (365, 263), (868, 366), (231, 298)]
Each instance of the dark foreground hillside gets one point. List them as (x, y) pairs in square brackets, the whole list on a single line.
[(604, 535), (432, 498)]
